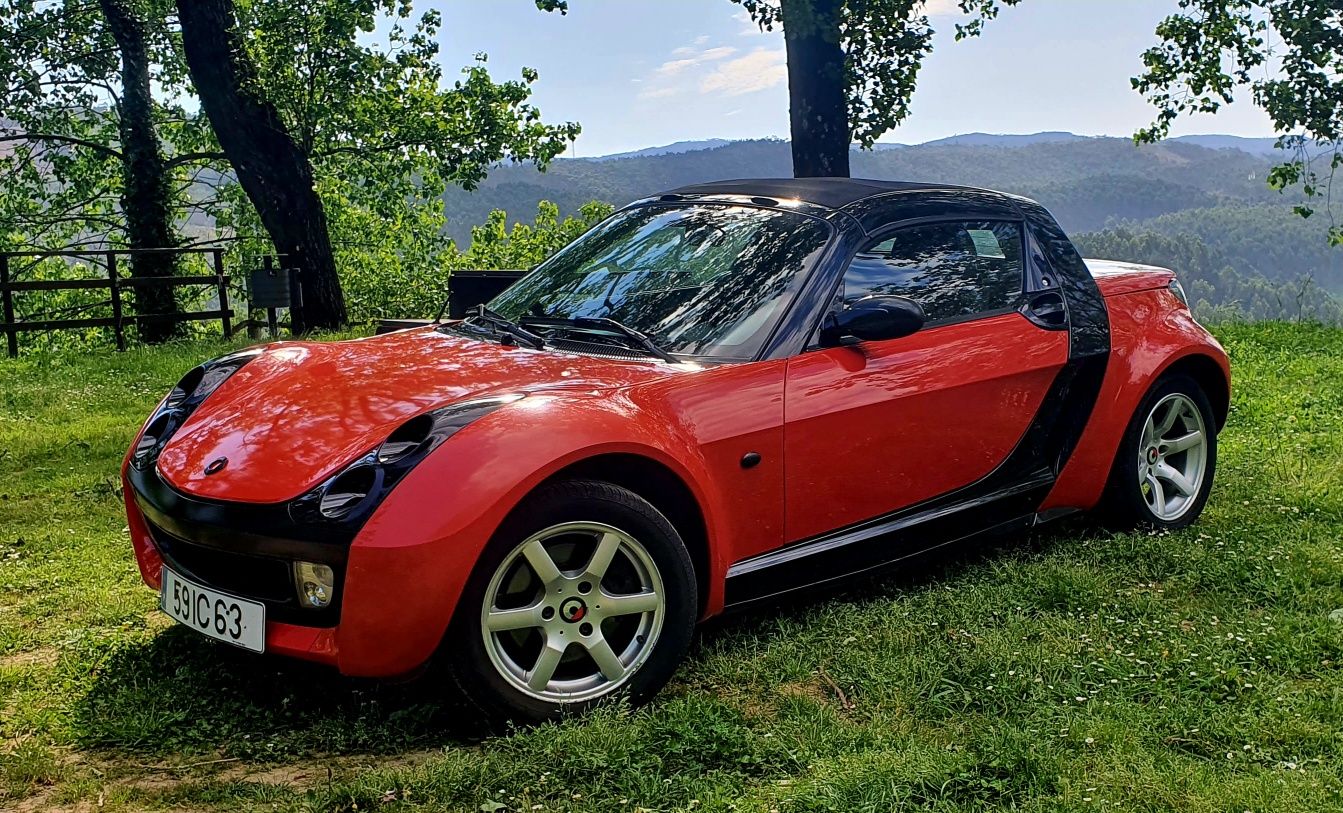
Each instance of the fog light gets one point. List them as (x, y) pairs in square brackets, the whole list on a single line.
[(316, 584)]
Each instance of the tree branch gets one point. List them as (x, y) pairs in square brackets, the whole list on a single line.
[(188, 157), (63, 139)]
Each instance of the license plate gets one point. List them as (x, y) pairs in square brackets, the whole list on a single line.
[(223, 617)]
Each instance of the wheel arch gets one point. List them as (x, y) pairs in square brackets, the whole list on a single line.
[(1205, 370), (664, 489)]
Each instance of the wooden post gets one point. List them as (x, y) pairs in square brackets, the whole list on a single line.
[(272, 318), (223, 292), (295, 298), (11, 335), (115, 285)]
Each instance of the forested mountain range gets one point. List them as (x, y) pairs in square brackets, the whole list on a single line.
[(1174, 202)]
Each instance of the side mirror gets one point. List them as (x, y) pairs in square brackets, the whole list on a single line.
[(873, 319)]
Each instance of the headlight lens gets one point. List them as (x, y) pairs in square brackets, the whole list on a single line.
[(351, 494), (316, 584), (408, 437), (350, 488), (186, 387), (1178, 289)]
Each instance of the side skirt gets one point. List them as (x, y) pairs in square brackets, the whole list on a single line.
[(884, 541)]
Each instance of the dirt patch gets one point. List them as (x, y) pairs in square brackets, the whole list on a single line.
[(318, 769), (42, 656), (809, 689)]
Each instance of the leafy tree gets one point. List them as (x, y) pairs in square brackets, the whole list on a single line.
[(383, 287), (852, 67), (271, 167), (84, 162), (1288, 53), (365, 125)]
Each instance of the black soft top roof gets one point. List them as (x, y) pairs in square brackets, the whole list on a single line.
[(835, 193)]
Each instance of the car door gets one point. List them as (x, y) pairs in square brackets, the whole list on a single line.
[(881, 426)]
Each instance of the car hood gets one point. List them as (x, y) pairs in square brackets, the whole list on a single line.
[(300, 412)]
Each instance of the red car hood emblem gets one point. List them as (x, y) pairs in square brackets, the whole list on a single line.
[(301, 411)]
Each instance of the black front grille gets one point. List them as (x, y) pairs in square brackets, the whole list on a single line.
[(261, 578)]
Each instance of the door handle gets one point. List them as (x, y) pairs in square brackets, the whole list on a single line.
[(1047, 310)]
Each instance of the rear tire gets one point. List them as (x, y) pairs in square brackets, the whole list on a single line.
[(1163, 471), (586, 593)]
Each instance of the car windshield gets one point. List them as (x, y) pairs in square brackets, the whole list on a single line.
[(699, 280)]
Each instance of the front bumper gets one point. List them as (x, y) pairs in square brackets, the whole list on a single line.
[(240, 549), (399, 576)]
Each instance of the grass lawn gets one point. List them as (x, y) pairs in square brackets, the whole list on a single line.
[(1073, 669)]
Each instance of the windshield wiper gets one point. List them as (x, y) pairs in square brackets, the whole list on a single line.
[(502, 324), (603, 324)]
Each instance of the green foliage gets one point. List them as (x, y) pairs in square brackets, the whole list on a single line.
[(1074, 669), (386, 135), (60, 161), (394, 288), (1289, 53), (358, 85)]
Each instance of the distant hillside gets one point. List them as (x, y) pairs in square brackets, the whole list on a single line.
[(1003, 140), (1258, 146), (1198, 204), (666, 149), (1086, 182)]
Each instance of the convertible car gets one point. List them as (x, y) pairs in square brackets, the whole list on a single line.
[(718, 395)]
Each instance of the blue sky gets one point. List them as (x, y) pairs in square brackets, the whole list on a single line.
[(640, 73)]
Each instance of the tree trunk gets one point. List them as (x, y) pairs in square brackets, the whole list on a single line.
[(272, 169), (818, 107), (146, 197)]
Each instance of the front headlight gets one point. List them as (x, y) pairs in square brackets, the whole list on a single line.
[(1178, 289), (355, 490)]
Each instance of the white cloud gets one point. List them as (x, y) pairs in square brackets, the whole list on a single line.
[(942, 8), (761, 69), (718, 70), (690, 58)]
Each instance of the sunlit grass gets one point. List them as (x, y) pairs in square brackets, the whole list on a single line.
[(1074, 669)]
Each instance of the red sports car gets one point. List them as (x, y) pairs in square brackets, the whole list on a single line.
[(716, 396)]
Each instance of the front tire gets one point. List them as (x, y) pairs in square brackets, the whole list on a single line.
[(1163, 472), (585, 593)]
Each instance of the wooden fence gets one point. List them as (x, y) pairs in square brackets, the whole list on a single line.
[(115, 284), (269, 287)]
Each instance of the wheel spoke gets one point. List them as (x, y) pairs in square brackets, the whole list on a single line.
[(515, 619), (629, 604), (1157, 495), (602, 556), (1185, 443), (1167, 472), (539, 558), (1172, 412), (606, 659), (546, 663)]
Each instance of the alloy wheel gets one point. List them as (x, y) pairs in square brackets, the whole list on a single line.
[(1172, 457), (572, 612)]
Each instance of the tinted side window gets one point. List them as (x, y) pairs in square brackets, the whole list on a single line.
[(953, 270)]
